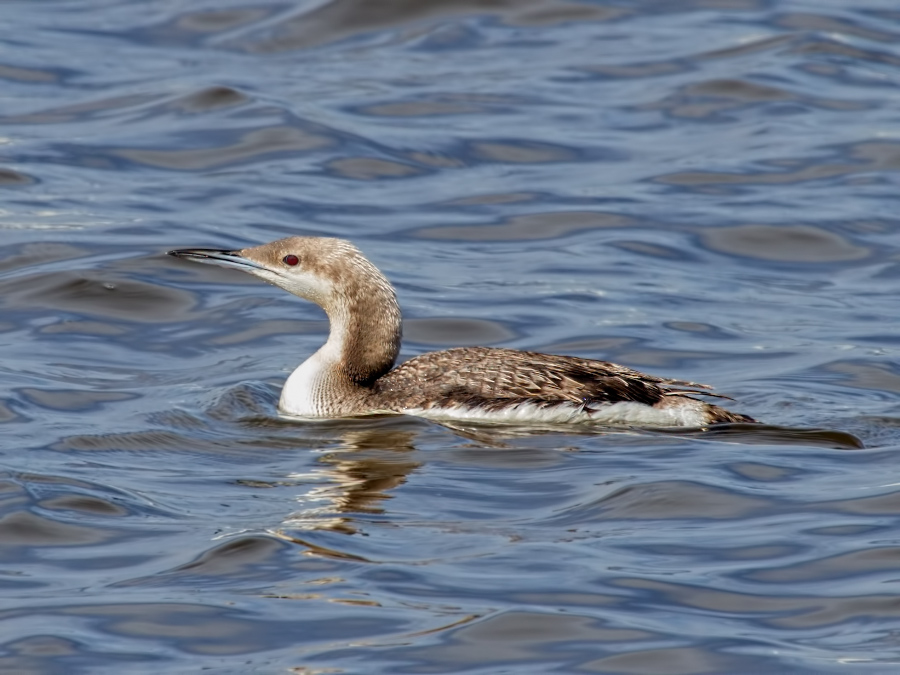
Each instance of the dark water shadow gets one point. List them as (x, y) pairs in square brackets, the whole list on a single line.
[(495, 435), (766, 434)]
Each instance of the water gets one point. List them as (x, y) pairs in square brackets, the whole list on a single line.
[(704, 190)]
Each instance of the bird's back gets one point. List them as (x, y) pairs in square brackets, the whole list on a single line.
[(500, 383)]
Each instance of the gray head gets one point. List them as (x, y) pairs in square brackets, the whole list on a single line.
[(329, 272), (359, 300)]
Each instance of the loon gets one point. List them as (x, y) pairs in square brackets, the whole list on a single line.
[(353, 372)]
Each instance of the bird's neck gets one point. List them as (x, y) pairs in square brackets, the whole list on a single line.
[(363, 344), (364, 339)]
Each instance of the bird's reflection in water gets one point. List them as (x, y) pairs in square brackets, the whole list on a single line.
[(352, 481), (348, 486)]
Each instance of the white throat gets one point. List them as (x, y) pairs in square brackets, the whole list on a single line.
[(301, 394), (310, 388)]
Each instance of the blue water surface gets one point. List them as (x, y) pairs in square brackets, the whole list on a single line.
[(705, 190)]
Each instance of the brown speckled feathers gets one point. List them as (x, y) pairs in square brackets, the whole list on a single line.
[(492, 378)]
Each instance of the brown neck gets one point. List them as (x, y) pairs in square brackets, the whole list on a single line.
[(365, 334)]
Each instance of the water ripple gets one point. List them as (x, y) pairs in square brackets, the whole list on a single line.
[(703, 190)]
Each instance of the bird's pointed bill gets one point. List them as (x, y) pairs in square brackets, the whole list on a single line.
[(213, 256)]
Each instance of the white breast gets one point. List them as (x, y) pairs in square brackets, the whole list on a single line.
[(309, 390), (298, 393)]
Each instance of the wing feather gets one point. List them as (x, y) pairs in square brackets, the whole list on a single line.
[(485, 374)]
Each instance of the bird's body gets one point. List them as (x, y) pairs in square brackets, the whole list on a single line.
[(353, 373)]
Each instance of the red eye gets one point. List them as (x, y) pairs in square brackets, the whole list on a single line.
[(290, 259)]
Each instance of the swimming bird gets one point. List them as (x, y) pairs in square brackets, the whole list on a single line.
[(353, 372)]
